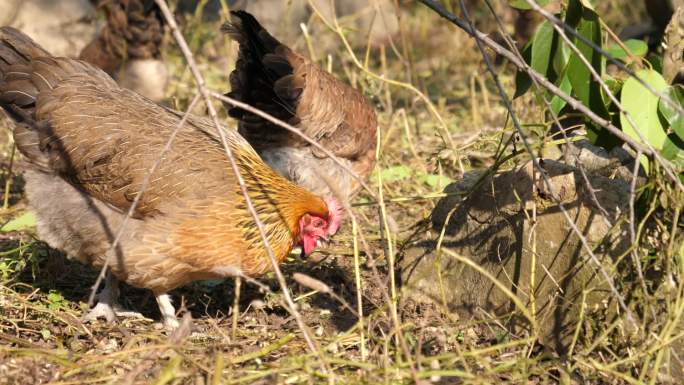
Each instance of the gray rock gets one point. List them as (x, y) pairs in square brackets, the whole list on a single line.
[(492, 226)]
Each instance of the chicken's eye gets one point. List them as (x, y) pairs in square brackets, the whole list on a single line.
[(318, 222)]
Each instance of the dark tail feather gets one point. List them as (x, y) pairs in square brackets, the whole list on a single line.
[(134, 30), (246, 30), (261, 73)]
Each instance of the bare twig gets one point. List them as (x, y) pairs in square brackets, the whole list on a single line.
[(556, 120), (605, 87), (627, 115), (560, 24), (544, 82), (201, 85)]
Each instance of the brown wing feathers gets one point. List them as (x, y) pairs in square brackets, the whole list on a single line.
[(20, 85)]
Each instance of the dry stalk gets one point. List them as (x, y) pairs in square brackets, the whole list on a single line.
[(291, 307), (8, 181), (320, 286)]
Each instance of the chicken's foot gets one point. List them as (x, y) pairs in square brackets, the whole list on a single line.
[(168, 313), (108, 303)]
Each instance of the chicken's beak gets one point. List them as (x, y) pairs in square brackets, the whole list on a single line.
[(322, 241)]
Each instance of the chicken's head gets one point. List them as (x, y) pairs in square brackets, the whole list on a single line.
[(312, 227)]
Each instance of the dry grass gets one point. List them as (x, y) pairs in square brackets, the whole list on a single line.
[(42, 295)]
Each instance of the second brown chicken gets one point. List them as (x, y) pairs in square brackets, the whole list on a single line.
[(90, 144), (270, 76)]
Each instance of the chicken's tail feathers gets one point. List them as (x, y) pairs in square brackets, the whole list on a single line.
[(266, 76), (246, 30), (28, 75), (17, 48), (133, 30), (18, 92), (20, 79)]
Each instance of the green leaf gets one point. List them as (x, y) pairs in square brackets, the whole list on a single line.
[(587, 4), (673, 150), (522, 79), (25, 221), (656, 61), (642, 105), (522, 4), (436, 181), (557, 103), (561, 57), (54, 296), (672, 116), (573, 13), (636, 47), (584, 86), (396, 173), (542, 43), (614, 85), (55, 300)]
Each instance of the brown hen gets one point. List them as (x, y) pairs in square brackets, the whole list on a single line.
[(270, 76), (90, 144)]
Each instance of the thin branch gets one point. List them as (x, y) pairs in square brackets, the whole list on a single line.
[(630, 120), (201, 85), (544, 82), (559, 23), (606, 89), (556, 120)]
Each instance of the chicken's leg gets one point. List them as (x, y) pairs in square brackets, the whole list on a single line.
[(107, 303), (168, 313)]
